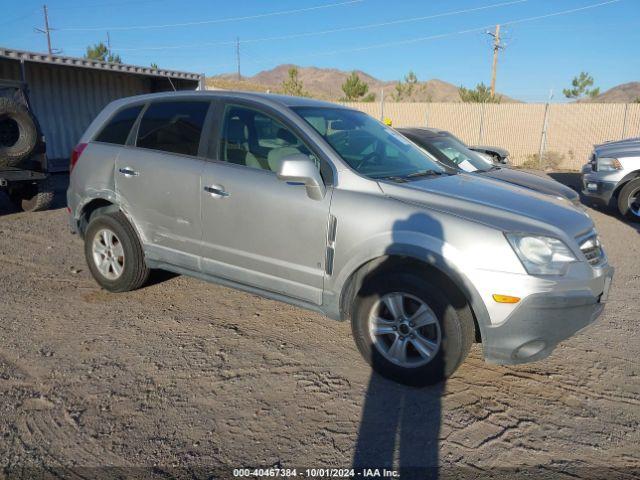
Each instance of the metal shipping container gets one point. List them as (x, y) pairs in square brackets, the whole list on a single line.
[(66, 93)]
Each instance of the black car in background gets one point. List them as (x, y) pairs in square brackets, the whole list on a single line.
[(453, 153)]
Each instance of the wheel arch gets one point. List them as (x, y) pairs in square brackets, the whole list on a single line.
[(455, 283), (91, 208), (622, 183)]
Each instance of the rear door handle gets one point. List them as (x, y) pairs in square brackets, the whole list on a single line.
[(216, 191), (128, 172)]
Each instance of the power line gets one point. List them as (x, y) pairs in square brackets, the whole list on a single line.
[(333, 30), (208, 22), (460, 32), (19, 18), (430, 37)]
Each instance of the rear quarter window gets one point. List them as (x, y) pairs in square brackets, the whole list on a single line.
[(118, 128), (173, 127)]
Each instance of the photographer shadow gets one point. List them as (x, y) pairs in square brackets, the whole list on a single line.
[(400, 424)]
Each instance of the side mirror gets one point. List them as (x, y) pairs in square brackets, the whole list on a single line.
[(299, 168)]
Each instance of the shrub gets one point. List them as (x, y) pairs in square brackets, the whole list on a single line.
[(550, 161)]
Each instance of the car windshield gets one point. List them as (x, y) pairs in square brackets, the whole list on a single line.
[(369, 147), (458, 153)]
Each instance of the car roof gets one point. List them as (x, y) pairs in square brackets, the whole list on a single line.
[(422, 131), (267, 98)]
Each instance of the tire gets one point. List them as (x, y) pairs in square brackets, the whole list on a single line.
[(627, 207), (18, 133), (126, 255), (454, 323), (33, 197)]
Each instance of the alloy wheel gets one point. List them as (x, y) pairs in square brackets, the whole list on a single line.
[(404, 330), (108, 254), (634, 202)]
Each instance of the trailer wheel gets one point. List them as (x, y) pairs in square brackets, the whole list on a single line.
[(33, 197), (18, 133)]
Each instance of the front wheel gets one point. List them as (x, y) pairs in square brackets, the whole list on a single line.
[(114, 253), (629, 200), (409, 329)]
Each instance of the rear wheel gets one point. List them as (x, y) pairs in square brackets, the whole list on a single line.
[(408, 328), (629, 200), (114, 253)]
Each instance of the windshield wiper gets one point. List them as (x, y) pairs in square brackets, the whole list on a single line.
[(394, 178), (425, 173)]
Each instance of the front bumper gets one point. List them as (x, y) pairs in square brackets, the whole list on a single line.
[(597, 189), (542, 320)]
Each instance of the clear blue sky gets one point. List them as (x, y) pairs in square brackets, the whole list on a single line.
[(540, 55)]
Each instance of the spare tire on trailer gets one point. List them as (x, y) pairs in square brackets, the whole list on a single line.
[(18, 133), (33, 196)]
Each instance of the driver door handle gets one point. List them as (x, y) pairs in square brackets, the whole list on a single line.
[(216, 191), (128, 172)]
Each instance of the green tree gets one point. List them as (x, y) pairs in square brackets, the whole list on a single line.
[(293, 85), (580, 86), (480, 94), (356, 90), (154, 65), (99, 51), (404, 88)]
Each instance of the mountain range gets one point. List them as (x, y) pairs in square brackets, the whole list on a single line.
[(326, 83)]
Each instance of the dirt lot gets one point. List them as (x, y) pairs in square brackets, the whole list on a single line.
[(187, 374)]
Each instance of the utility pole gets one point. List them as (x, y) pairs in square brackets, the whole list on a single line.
[(496, 47), (47, 30), (108, 44), (238, 56)]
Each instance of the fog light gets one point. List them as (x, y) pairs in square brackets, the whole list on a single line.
[(505, 298), (529, 349)]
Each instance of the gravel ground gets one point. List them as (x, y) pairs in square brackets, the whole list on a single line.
[(185, 374)]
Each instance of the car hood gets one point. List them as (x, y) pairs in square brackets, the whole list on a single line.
[(540, 184), (499, 204), (629, 148)]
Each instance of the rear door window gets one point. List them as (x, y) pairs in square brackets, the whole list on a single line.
[(173, 127), (118, 128)]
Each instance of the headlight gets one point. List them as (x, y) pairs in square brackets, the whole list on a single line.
[(608, 164), (541, 255)]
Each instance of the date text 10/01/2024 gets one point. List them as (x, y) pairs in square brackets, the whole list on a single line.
[(316, 472)]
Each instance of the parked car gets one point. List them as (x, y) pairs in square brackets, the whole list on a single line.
[(497, 155), (612, 177), (23, 161), (453, 153), (323, 207)]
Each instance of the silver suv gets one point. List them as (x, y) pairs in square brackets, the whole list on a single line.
[(323, 207), (612, 177)]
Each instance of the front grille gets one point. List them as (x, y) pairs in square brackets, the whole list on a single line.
[(592, 249)]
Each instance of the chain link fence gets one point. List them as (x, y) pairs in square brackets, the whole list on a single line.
[(556, 136)]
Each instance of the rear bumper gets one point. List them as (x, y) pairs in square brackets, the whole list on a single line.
[(542, 321)]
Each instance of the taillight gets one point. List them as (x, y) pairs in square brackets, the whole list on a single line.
[(75, 155)]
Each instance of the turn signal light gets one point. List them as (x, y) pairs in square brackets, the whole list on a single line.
[(505, 298)]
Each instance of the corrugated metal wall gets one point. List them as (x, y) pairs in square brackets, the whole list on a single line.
[(66, 99), (572, 129)]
